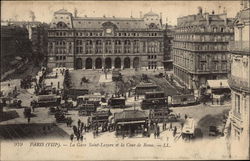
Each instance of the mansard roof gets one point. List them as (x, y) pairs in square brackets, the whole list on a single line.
[(151, 13), (62, 11), (97, 23)]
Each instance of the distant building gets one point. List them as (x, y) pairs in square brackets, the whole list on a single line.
[(239, 82), (200, 49), (168, 47), (105, 42), (27, 24), (39, 38)]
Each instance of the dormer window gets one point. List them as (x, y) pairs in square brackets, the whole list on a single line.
[(61, 25)]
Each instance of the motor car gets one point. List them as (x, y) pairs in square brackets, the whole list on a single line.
[(172, 117), (213, 131)]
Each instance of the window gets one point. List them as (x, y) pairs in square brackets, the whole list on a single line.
[(222, 29), (237, 103)]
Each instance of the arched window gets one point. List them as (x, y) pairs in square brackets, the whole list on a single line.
[(152, 26), (61, 25)]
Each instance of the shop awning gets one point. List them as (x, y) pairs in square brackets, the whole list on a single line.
[(217, 84)]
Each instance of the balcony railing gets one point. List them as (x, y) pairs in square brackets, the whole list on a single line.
[(239, 46), (238, 83)]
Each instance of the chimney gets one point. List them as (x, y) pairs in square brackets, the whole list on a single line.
[(75, 12), (245, 4), (140, 14), (199, 10), (160, 15), (241, 4), (224, 10)]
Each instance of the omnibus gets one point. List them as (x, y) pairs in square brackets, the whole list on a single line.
[(160, 115), (183, 100), (188, 128), (117, 102), (142, 88), (154, 100), (48, 100), (91, 99), (74, 93), (100, 117)]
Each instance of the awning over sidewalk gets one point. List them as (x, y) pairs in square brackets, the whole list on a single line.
[(218, 84)]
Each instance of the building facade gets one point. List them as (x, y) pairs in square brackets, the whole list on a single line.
[(200, 49), (105, 42), (168, 47), (239, 82), (39, 39)]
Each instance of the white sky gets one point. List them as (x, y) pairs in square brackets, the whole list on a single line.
[(170, 9)]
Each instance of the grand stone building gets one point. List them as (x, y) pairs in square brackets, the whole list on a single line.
[(200, 49), (105, 42), (239, 82)]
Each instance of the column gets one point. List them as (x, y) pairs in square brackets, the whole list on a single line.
[(53, 48), (146, 47), (122, 62), (83, 47), (131, 62), (113, 46), (112, 63), (83, 63), (72, 48), (141, 46), (93, 62), (122, 41), (103, 47), (103, 62), (93, 41), (67, 47), (132, 47)]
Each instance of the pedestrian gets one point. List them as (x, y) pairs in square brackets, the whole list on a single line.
[(170, 127), (71, 137), (28, 119), (82, 125), (85, 128), (182, 124), (186, 116), (174, 132), (79, 123), (158, 131), (217, 100), (94, 133)]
